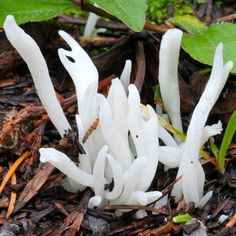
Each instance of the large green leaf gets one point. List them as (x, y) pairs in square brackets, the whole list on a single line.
[(33, 10), (202, 46), (130, 12)]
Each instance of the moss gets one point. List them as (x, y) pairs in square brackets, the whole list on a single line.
[(157, 11)]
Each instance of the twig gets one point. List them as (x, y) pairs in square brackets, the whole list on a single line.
[(158, 231), (232, 222), (230, 17), (140, 65), (99, 24)]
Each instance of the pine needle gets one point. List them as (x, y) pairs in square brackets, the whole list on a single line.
[(13, 195), (13, 168)]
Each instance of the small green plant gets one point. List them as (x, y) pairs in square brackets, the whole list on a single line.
[(157, 11), (227, 139)]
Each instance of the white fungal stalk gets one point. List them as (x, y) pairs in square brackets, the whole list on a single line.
[(30, 52), (85, 77), (125, 75), (185, 155), (190, 168), (168, 75), (90, 25), (65, 165)]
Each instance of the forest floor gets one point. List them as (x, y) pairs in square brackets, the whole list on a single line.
[(34, 203)]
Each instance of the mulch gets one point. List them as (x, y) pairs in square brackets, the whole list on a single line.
[(42, 206)]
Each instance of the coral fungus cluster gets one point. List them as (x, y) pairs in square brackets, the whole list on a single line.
[(124, 148)]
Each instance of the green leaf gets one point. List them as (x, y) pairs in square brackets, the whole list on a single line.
[(180, 219), (33, 10), (191, 24), (131, 12), (202, 46), (227, 139), (214, 148)]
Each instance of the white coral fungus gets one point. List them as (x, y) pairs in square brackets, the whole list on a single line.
[(191, 185), (109, 156), (124, 148), (33, 57)]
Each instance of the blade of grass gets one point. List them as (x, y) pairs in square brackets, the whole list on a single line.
[(214, 148), (173, 130), (227, 139)]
